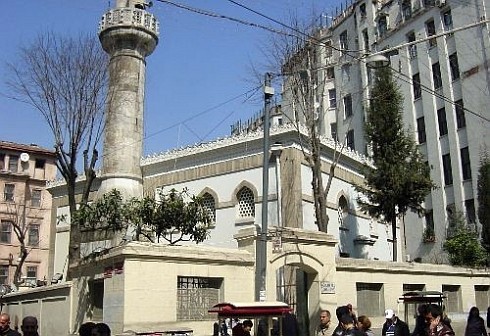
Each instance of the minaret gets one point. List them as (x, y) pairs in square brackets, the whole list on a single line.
[(128, 33)]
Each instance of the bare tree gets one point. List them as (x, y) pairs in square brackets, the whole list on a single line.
[(296, 55), (65, 78), (19, 215)]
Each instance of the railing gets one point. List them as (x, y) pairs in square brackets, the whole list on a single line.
[(129, 17)]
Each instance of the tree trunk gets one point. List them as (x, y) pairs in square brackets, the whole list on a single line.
[(393, 229)]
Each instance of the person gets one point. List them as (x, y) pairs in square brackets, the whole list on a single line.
[(86, 329), (347, 323), (393, 326), (351, 311), (5, 329), (101, 329), (475, 326), (364, 325), (324, 325), (420, 325), (29, 326), (435, 321), (242, 329), (339, 312)]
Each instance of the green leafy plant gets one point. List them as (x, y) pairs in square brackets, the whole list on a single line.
[(464, 248), (173, 217)]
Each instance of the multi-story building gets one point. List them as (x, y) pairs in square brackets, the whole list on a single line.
[(438, 51), (25, 211)]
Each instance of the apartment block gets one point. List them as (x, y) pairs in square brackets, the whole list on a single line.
[(25, 211)]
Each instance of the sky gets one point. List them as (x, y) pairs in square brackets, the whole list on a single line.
[(197, 77)]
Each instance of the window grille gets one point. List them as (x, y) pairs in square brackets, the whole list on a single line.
[(370, 298), (195, 295), (209, 204), (246, 203), (453, 294)]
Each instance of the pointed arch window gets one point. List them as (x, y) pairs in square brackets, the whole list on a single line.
[(246, 203), (209, 204), (343, 212)]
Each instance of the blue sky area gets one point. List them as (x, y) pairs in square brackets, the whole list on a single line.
[(200, 63)]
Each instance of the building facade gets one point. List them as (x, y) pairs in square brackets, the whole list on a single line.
[(438, 51), (25, 211)]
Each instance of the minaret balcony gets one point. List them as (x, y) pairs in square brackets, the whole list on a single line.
[(129, 17)]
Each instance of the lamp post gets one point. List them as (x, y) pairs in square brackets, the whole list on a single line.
[(261, 242)]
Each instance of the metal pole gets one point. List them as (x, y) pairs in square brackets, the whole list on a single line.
[(261, 242)]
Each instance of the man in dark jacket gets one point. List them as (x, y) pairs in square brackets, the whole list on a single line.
[(5, 326), (394, 326)]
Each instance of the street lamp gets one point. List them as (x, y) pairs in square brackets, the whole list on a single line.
[(377, 61)]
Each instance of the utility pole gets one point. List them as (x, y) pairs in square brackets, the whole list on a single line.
[(261, 242)]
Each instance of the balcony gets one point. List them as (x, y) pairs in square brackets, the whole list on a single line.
[(134, 17)]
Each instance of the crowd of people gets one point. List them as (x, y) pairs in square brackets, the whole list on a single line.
[(29, 327), (430, 321)]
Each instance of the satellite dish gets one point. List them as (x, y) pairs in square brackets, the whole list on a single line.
[(24, 157)]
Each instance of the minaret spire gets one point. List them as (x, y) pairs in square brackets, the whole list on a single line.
[(128, 33)]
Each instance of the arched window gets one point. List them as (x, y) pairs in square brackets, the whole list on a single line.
[(209, 204), (343, 211), (246, 203)]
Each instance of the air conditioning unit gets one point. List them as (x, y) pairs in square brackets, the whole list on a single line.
[(440, 3)]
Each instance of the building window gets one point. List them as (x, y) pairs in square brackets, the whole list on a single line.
[(13, 163), (370, 298), (470, 211), (343, 212), (348, 106), (412, 49), (328, 49), (350, 139), (422, 136), (447, 169), (331, 73), (453, 294), (406, 9), (454, 66), (8, 192), (31, 275), (460, 118), (332, 98), (429, 220), (417, 89), (447, 20), (33, 235), (430, 28), (362, 10), (442, 121), (195, 295), (344, 43), (6, 233), (209, 204), (36, 198), (429, 3), (465, 163), (382, 25), (436, 75), (482, 295), (333, 131), (4, 274), (246, 203), (2, 161), (40, 163), (365, 38)]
